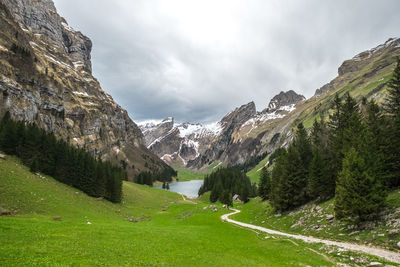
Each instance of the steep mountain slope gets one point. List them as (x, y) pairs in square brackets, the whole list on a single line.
[(198, 146), (177, 144), (246, 134), (45, 77), (365, 75)]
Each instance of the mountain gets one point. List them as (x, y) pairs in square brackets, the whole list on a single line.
[(246, 134), (46, 78), (179, 143), (198, 146)]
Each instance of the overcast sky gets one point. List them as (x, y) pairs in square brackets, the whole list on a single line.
[(198, 60)]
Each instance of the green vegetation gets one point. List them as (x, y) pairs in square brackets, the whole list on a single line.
[(76, 167), (254, 174), (316, 219), (226, 182), (354, 158), (187, 175), (149, 177), (253, 161), (53, 224)]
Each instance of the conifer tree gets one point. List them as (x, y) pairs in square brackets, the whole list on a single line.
[(392, 149), (264, 186), (321, 183), (292, 174), (358, 193), (34, 166), (226, 198)]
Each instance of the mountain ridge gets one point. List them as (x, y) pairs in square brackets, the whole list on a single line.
[(366, 74), (45, 77)]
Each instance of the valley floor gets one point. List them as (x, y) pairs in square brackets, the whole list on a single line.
[(52, 224)]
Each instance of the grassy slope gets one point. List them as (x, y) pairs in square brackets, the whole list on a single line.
[(357, 86), (168, 231), (254, 174), (311, 219), (187, 175)]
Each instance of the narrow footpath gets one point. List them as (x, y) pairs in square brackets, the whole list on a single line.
[(379, 252)]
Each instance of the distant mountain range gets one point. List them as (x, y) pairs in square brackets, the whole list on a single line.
[(46, 78), (245, 133), (184, 144)]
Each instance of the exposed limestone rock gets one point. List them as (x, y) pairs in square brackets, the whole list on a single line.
[(52, 85), (384, 55), (284, 99)]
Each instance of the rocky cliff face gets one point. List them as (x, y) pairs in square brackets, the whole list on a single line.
[(246, 133), (45, 77), (179, 143), (227, 141), (373, 62), (284, 99)]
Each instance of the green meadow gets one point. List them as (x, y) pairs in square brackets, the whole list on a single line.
[(52, 224)]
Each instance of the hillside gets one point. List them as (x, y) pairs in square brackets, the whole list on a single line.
[(244, 133), (53, 224), (46, 78), (316, 219)]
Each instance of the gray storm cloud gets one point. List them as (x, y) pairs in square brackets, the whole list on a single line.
[(197, 60)]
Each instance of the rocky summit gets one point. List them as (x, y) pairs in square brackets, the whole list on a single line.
[(284, 99), (45, 77), (245, 134)]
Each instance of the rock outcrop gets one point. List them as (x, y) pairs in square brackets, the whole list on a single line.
[(284, 99), (178, 143), (380, 56), (45, 77)]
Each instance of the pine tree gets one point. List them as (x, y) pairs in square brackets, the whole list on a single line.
[(321, 183), (392, 149), (358, 193), (392, 104), (264, 186), (317, 177), (293, 188), (34, 166), (226, 198), (279, 196), (216, 191)]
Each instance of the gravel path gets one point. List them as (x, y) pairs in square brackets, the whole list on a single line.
[(382, 253)]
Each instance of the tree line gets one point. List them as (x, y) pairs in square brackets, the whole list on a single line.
[(224, 183), (149, 177), (42, 152), (354, 157)]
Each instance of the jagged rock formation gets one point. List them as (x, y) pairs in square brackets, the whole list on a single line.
[(177, 144), (373, 61), (45, 77), (197, 146), (284, 99), (246, 133)]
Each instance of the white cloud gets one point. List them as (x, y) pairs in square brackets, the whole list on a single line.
[(198, 59)]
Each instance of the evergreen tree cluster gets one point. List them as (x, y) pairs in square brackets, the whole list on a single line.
[(148, 177), (225, 183), (163, 173), (144, 178), (354, 157), (42, 152)]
